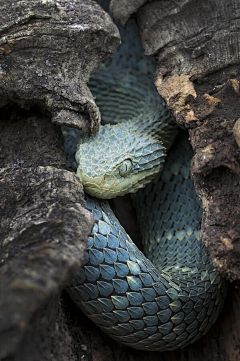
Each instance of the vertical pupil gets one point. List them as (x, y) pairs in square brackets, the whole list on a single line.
[(125, 167)]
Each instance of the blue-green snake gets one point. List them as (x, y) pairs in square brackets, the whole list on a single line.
[(170, 296)]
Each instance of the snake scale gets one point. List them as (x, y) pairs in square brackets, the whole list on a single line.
[(170, 296)]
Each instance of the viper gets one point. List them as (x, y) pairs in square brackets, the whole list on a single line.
[(169, 295)]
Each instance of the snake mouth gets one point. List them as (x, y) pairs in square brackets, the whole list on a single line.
[(109, 188), (91, 185)]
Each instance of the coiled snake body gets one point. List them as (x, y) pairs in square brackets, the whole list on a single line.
[(170, 296)]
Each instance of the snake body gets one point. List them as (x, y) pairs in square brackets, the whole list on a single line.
[(172, 295)]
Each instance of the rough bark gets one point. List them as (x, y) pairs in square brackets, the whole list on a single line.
[(123, 9), (196, 44), (48, 50), (44, 227)]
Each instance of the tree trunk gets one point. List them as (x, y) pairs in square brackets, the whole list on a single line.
[(48, 51), (197, 50)]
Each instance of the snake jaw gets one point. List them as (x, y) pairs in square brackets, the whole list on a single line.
[(91, 186), (109, 186)]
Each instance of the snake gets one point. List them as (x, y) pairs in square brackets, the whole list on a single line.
[(167, 295)]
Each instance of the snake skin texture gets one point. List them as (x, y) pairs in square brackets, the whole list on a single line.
[(171, 295), (167, 300)]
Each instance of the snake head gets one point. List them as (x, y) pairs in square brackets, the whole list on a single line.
[(118, 160)]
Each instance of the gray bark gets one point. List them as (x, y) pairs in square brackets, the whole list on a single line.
[(123, 9), (196, 44), (44, 228), (48, 51)]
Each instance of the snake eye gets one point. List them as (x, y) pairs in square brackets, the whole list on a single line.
[(125, 167)]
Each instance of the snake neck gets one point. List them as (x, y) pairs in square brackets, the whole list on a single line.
[(157, 123), (125, 96)]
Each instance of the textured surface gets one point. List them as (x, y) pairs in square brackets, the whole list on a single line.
[(127, 164), (44, 232), (48, 50), (155, 307), (124, 91), (122, 9), (197, 48), (221, 344), (161, 306)]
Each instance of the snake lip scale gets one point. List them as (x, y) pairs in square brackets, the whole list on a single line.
[(170, 295)]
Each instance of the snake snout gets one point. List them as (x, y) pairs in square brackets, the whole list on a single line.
[(118, 160)]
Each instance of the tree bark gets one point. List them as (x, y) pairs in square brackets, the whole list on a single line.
[(44, 229), (122, 10), (48, 51), (196, 43)]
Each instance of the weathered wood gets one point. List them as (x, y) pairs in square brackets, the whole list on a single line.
[(44, 225), (197, 49), (196, 44), (123, 9), (48, 50)]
